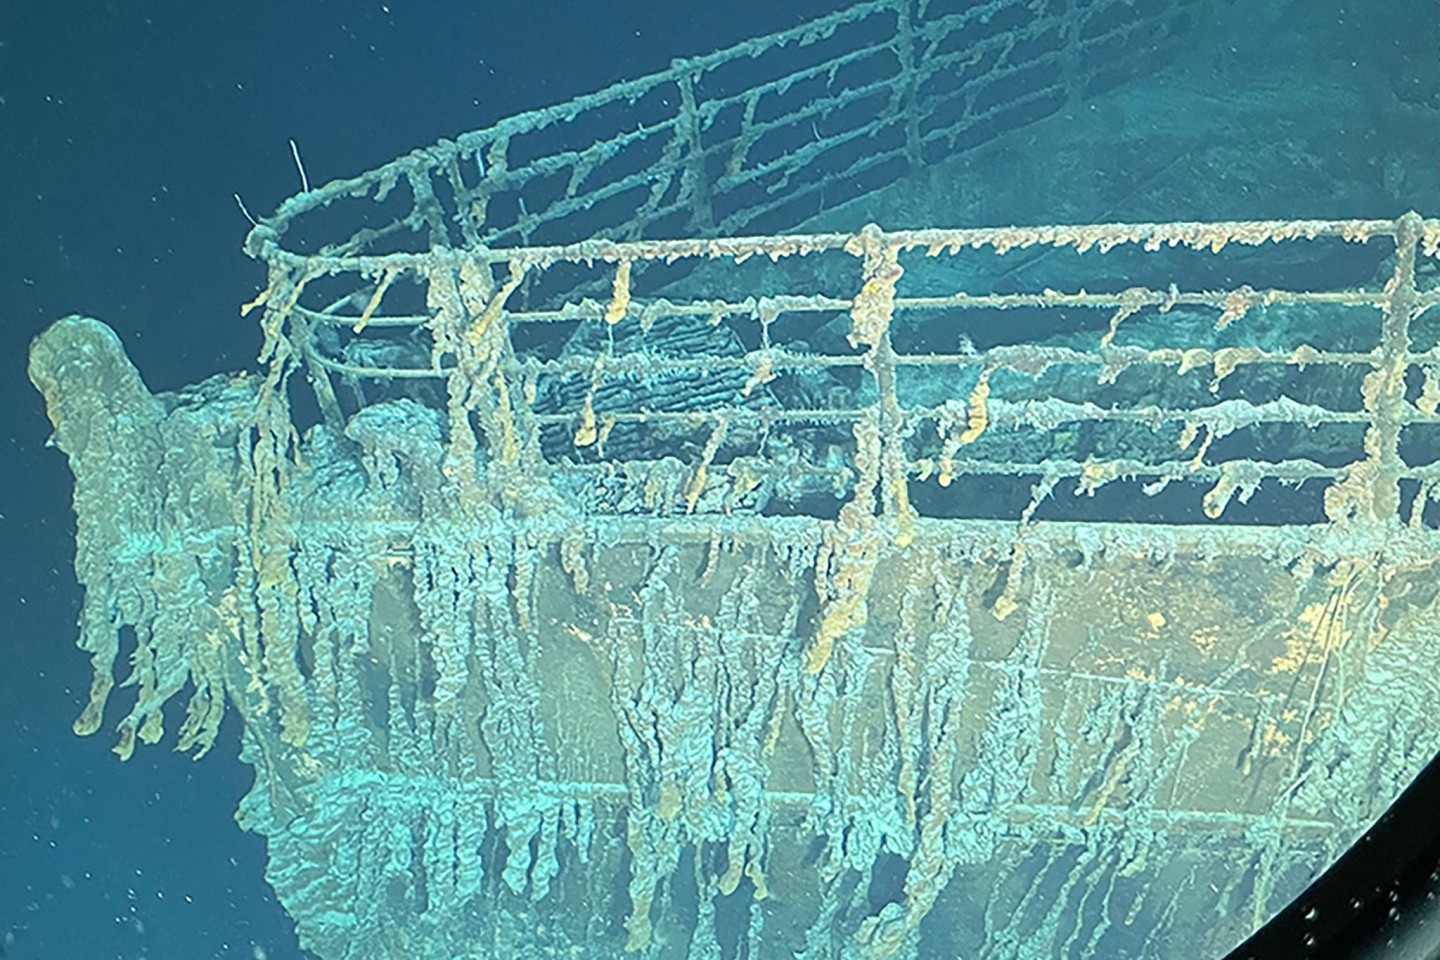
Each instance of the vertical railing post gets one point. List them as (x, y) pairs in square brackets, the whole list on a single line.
[(1385, 393), (906, 40), (694, 181)]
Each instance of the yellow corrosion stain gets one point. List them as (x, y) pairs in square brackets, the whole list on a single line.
[(977, 412), (1205, 638), (668, 805)]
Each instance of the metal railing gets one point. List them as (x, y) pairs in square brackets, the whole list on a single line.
[(687, 381), (753, 138)]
